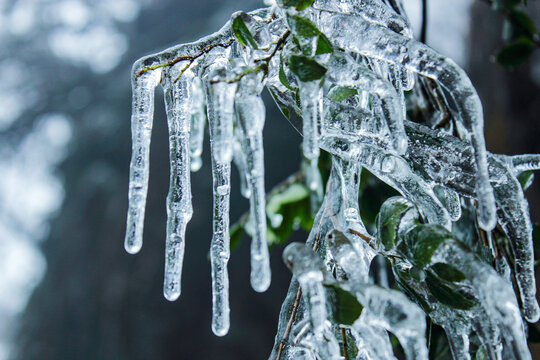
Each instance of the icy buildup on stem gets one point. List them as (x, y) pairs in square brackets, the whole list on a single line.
[(141, 131), (250, 112)]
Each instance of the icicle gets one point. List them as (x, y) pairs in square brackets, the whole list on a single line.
[(251, 115), (239, 159), (179, 207), (311, 101), (372, 342), (308, 270), (458, 342), (220, 95), (198, 120), (141, 130)]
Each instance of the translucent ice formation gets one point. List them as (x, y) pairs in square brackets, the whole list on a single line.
[(456, 239)]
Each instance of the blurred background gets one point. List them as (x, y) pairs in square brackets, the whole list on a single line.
[(68, 290)]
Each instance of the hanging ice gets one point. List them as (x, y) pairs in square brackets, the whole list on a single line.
[(343, 66)]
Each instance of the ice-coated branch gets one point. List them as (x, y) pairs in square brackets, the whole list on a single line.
[(344, 66)]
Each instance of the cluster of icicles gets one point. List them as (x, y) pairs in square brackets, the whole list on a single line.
[(439, 170)]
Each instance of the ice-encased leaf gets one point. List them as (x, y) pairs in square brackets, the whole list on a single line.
[(345, 307)]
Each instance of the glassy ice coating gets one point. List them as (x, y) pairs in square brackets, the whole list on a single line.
[(460, 228)]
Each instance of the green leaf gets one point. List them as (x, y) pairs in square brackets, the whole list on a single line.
[(448, 272), (521, 24), (446, 295), (283, 77), (340, 93), (302, 27), (388, 220), (242, 32), (401, 281), (516, 52), (236, 233), (291, 207), (525, 179), (324, 46), (298, 4), (306, 68), (286, 112), (294, 193), (346, 308), (423, 240)]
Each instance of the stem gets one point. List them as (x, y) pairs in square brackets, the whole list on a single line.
[(344, 343), (191, 59), (423, 33)]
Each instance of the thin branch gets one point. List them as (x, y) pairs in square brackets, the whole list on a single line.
[(344, 343), (423, 33), (191, 59)]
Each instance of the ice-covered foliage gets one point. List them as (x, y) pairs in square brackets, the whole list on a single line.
[(367, 93)]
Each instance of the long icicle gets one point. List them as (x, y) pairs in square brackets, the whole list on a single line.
[(139, 169), (251, 115), (179, 207), (220, 95)]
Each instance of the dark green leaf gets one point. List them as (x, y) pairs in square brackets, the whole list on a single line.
[(388, 220), (340, 93), (448, 272), (516, 52), (423, 240), (242, 32), (236, 234), (324, 46), (525, 179), (286, 112), (346, 308), (447, 295), (283, 77), (521, 24), (401, 280), (298, 4), (306, 68)]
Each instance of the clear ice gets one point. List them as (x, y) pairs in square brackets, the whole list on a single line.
[(344, 66)]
